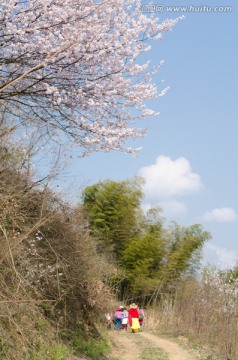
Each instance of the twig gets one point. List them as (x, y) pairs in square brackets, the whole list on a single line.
[(10, 252), (35, 68), (35, 227), (25, 301)]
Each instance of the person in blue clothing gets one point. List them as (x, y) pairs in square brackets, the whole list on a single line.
[(118, 318)]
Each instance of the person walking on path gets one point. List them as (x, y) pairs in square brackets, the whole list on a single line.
[(118, 318), (141, 316), (124, 319), (134, 318), (109, 319)]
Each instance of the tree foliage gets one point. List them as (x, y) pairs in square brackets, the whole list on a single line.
[(142, 260), (72, 68), (152, 257), (184, 242), (112, 209)]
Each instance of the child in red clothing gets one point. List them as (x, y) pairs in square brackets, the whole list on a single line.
[(134, 318)]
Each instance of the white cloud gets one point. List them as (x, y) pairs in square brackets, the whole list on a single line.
[(170, 207), (174, 207), (223, 214), (225, 258), (167, 178)]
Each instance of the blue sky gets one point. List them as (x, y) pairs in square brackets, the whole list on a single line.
[(190, 155)]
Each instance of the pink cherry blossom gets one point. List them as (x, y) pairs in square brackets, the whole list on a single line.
[(72, 67)]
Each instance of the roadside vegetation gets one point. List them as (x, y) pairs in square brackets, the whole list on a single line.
[(153, 354), (213, 316), (64, 266), (203, 312), (51, 276)]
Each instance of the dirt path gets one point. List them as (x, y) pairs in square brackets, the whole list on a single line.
[(129, 346), (174, 351)]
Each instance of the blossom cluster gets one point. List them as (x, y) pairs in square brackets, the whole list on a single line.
[(38, 269), (219, 291), (71, 67)]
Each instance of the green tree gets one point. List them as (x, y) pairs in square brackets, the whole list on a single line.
[(157, 259), (112, 209), (151, 257), (184, 246), (142, 260)]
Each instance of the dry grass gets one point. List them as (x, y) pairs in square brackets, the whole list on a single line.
[(51, 277), (201, 313)]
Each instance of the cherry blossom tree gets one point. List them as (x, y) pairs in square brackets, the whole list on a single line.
[(71, 67)]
